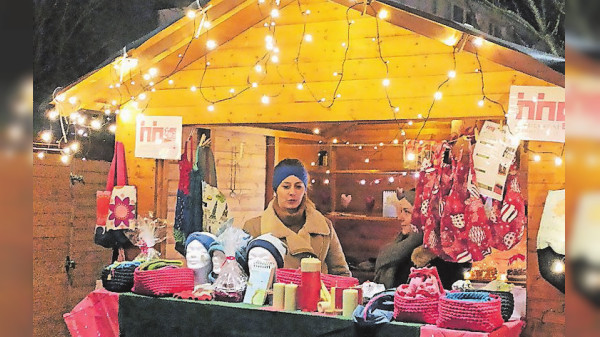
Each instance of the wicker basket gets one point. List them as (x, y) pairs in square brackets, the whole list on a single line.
[(466, 313), (163, 282), (507, 302), (286, 275)]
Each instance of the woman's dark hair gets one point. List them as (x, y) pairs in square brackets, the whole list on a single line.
[(290, 162)]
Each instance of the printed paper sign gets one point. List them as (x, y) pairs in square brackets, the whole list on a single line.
[(492, 157), (158, 137), (537, 113)]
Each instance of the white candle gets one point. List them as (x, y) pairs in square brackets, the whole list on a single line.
[(290, 297), (278, 296), (350, 301)]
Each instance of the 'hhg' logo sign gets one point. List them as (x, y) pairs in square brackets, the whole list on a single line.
[(537, 113), (158, 137)]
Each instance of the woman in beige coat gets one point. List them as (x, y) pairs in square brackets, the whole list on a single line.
[(292, 218)]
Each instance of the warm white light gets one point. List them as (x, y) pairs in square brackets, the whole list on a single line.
[(383, 14), (210, 108), (326, 181), (537, 157), (503, 277), (419, 116), (41, 155), (53, 114), (300, 86), (396, 109), (417, 175), (265, 99), (46, 136), (403, 133), (151, 83), (307, 12), (113, 102), (313, 163), (254, 84), (335, 141), (61, 97), (132, 82), (404, 174), (211, 44), (142, 96), (316, 131), (478, 42), (74, 146), (118, 85), (258, 68), (381, 144), (558, 267), (112, 128), (193, 88), (73, 100), (362, 182), (410, 156), (360, 147), (274, 13), (558, 161), (344, 44), (395, 141), (437, 95), (410, 123), (96, 124), (450, 41), (451, 74), (391, 179), (467, 275), (206, 24), (171, 82), (322, 99), (385, 82), (335, 73), (191, 14), (65, 159), (208, 63), (367, 160), (274, 58), (146, 77), (327, 172), (276, 50), (79, 132), (481, 103), (308, 38), (67, 150), (232, 90)]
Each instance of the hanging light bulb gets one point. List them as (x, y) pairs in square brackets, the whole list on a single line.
[(437, 95), (265, 99), (112, 128), (410, 156), (142, 96), (300, 86), (385, 82), (327, 172), (326, 181), (377, 181), (254, 84), (53, 114), (211, 44), (74, 146), (258, 68), (211, 108), (193, 88), (274, 13), (41, 155), (362, 181), (558, 161), (558, 267), (481, 103), (46, 136), (96, 124), (391, 179), (403, 133), (274, 58), (308, 38), (171, 82), (146, 77), (396, 109), (191, 14), (410, 123), (65, 159), (451, 74), (335, 141), (367, 160), (73, 100), (206, 24), (316, 131), (383, 14), (232, 91), (537, 158), (478, 42), (113, 102), (61, 97), (395, 141)]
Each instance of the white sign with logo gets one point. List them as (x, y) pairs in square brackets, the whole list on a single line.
[(537, 113), (158, 137)]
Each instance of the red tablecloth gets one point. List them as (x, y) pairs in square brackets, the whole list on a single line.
[(508, 329), (96, 315)]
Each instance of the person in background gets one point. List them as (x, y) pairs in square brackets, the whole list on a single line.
[(393, 263), (292, 218)]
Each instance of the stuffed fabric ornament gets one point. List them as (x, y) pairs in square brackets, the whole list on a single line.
[(477, 225), (421, 208), (508, 217)]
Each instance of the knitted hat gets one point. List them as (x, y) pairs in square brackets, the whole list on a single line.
[(216, 246), (409, 195), (272, 244), (205, 238), (286, 168)]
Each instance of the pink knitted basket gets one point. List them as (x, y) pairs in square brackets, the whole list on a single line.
[(468, 315), (286, 275), (419, 310), (162, 282)]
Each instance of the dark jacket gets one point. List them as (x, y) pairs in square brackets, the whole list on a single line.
[(394, 260)]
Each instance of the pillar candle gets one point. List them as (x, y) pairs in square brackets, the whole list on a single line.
[(310, 290), (324, 306), (350, 301), (278, 296), (290, 297)]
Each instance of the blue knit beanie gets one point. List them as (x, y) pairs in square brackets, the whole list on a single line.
[(272, 244), (283, 171), (216, 246), (205, 238)]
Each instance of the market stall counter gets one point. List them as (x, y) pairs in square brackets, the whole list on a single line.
[(161, 316)]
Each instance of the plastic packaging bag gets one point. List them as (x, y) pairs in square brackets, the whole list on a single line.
[(230, 286), (147, 234)]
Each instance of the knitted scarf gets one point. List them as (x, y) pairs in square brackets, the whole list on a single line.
[(293, 219)]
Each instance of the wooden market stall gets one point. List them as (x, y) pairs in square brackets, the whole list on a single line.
[(260, 78)]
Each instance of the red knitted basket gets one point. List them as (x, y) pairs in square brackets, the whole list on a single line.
[(162, 282), (468, 315), (286, 275), (419, 310)]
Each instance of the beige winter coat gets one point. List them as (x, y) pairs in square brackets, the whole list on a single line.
[(316, 238)]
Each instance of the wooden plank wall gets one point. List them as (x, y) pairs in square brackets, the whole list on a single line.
[(64, 218), (545, 304), (249, 191)]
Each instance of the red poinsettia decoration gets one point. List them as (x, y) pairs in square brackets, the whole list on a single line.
[(121, 212)]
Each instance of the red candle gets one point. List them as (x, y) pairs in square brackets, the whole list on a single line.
[(309, 291)]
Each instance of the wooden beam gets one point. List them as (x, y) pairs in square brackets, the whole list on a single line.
[(267, 132)]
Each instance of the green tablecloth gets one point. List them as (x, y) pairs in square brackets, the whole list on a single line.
[(147, 316)]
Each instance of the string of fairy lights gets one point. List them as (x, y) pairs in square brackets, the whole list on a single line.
[(78, 125)]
